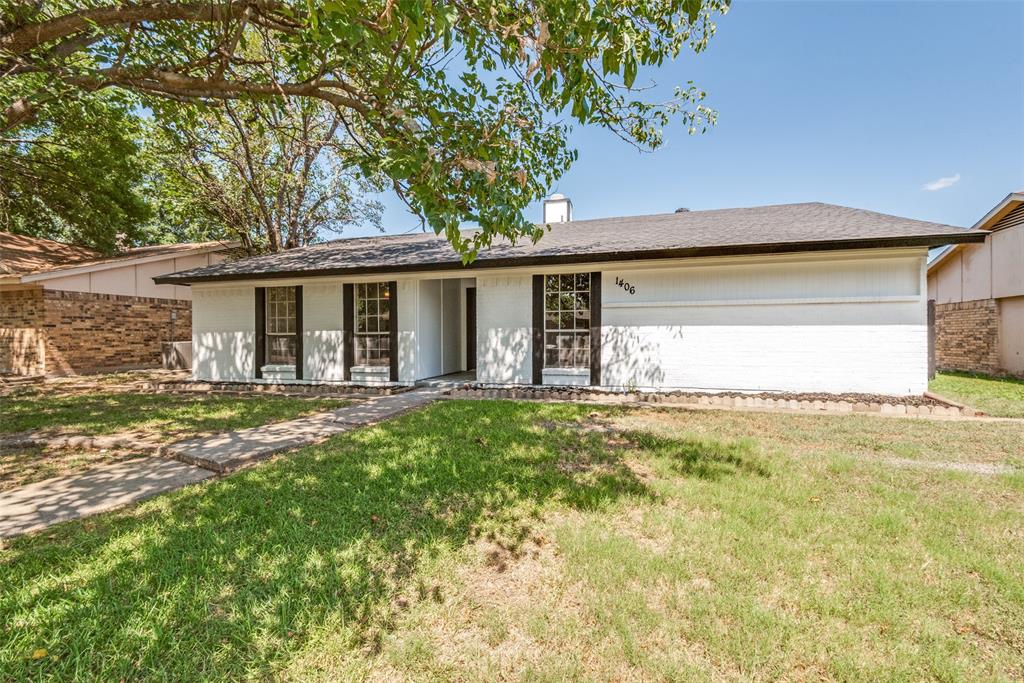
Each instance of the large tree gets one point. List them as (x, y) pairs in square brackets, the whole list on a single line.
[(76, 175), (271, 175), (457, 102)]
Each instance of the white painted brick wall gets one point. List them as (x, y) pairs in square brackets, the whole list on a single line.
[(223, 337), (831, 327), (504, 334), (408, 321), (323, 341)]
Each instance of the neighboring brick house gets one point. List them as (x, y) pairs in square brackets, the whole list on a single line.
[(978, 290), (66, 309)]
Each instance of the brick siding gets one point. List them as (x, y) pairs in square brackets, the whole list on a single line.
[(21, 343), (74, 332), (967, 336)]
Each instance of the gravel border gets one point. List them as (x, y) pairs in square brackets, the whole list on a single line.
[(816, 402), (242, 388)]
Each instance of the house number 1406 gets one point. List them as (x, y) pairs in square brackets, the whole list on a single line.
[(625, 285)]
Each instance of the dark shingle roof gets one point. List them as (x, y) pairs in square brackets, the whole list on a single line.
[(766, 229)]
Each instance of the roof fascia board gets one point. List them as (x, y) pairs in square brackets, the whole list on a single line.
[(599, 258), (997, 213), (863, 255), (116, 263), (944, 256)]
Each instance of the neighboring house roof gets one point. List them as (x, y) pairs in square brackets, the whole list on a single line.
[(766, 229), (1011, 203), (31, 259), (21, 254)]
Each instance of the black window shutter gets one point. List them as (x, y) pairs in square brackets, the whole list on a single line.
[(348, 309), (538, 329), (299, 357), (393, 328), (595, 329), (261, 332)]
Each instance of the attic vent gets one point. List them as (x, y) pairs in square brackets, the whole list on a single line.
[(682, 209)]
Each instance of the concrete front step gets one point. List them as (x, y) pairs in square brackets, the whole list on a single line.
[(225, 452)]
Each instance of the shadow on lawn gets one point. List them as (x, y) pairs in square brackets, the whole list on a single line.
[(171, 414), (704, 458), (230, 579)]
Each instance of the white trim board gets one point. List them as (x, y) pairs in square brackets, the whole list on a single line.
[(766, 302)]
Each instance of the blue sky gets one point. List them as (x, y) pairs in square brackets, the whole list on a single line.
[(854, 103)]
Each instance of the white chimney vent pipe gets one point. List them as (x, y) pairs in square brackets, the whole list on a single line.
[(557, 209)]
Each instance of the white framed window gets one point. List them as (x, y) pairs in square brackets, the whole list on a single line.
[(567, 321), (373, 323), (280, 323)]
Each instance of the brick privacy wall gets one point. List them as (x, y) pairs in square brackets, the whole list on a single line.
[(21, 342), (967, 336), (91, 332)]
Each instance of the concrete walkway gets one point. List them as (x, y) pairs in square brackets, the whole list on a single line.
[(226, 452), (39, 505)]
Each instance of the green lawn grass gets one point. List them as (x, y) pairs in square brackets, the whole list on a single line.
[(164, 415), (997, 396), (482, 540)]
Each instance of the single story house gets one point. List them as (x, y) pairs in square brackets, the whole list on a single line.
[(978, 290), (66, 309), (800, 297)]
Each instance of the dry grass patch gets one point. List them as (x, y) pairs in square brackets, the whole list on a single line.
[(845, 435)]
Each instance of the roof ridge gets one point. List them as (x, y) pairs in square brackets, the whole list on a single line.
[(564, 223)]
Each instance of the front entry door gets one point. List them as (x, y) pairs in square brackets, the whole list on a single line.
[(471, 328)]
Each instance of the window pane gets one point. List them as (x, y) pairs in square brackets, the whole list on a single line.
[(281, 349), (567, 320), (280, 322), (372, 349), (373, 320)]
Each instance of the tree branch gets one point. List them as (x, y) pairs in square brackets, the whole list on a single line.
[(25, 38)]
